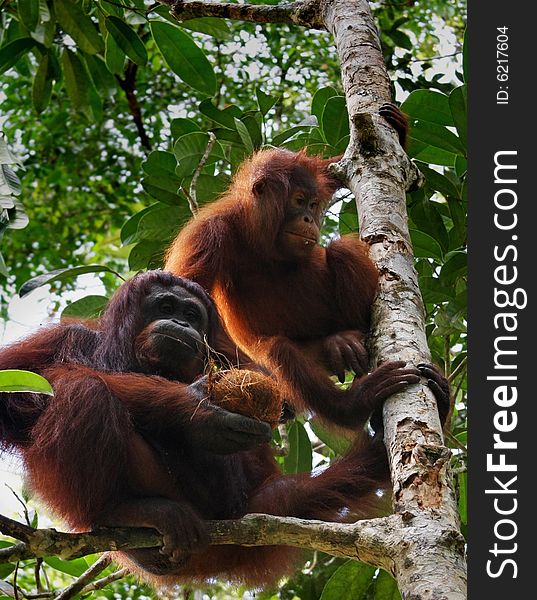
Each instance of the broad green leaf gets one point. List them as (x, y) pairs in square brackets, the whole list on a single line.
[(89, 307), (439, 182), (114, 57), (184, 57), (426, 217), (457, 104), (336, 442), (253, 121), (264, 101), (127, 39), (3, 268), (5, 571), (78, 25), (348, 218), (13, 51), (42, 84), (129, 229), (244, 135), (161, 164), (400, 39), (425, 246), (226, 117), (181, 126), (61, 275), (15, 380), (189, 150), (320, 98), (29, 13), (208, 187), (162, 223), (299, 459), (350, 582), (386, 587), (77, 82), (428, 105), (455, 266), (437, 136), (433, 292), (73, 567), (163, 189), (147, 254), (282, 137), (429, 154), (102, 79), (335, 120), (218, 28)]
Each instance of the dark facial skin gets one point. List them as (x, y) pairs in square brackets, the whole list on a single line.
[(300, 231), (175, 327)]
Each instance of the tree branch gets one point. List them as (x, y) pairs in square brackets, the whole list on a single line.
[(303, 12), (128, 85), (371, 541)]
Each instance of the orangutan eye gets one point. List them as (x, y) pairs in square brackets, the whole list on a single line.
[(166, 307)]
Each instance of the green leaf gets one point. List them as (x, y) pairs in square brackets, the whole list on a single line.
[(462, 480), (89, 307), (127, 39), (181, 126), (189, 150), (386, 587), (73, 567), (147, 255), (335, 120), (429, 154), (426, 217), (433, 292), (15, 380), (161, 164), (457, 104), (114, 57), (425, 246), (338, 443), (320, 98), (226, 117), (299, 459), (428, 105), (436, 136), (77, 82), (350, 582), (61, 275), (12, 52), (29, 13), (5, 571), (79, 26), (42, 84), (164, 189), (184, 57), (102, 79), (218, 28), (162, 223), (456, 266), (439, 182), (129, 229), (264, 101), (244, 135)]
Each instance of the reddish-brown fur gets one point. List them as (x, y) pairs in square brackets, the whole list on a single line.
[(112, 448), (282, 312)]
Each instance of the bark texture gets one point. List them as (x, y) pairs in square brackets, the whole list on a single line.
[(431, 562)]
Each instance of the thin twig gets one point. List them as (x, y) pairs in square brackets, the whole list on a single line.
[(192, 193), (97, 567)]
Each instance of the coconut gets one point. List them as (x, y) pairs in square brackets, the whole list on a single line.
[(248, 393)]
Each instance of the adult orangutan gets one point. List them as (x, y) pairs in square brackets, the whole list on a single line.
[(132, 438)]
